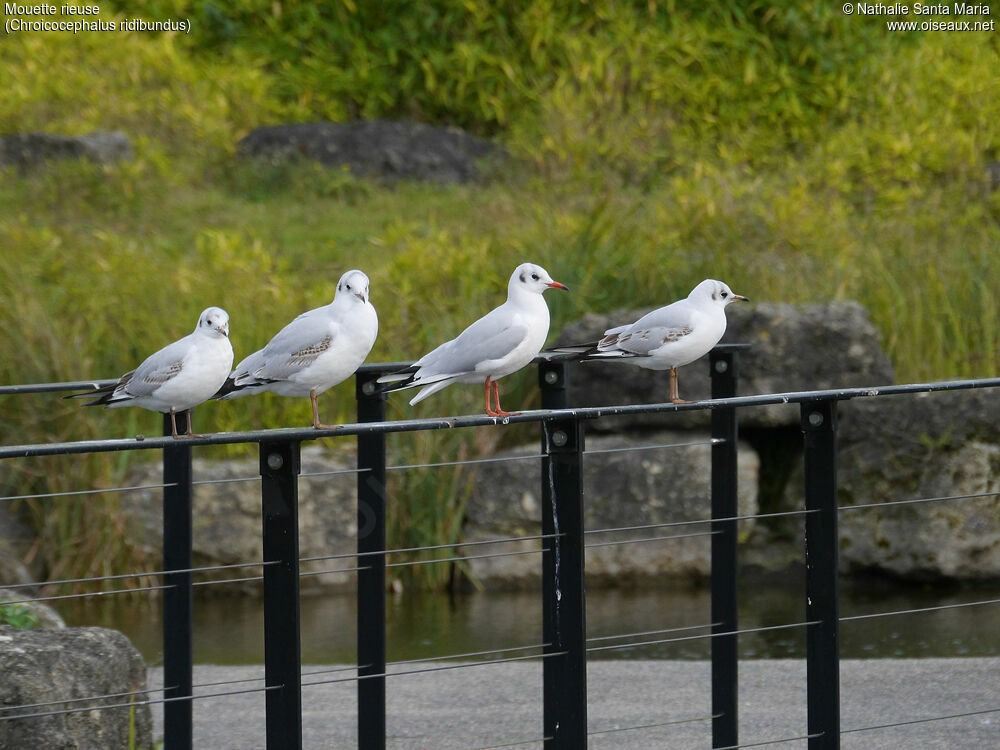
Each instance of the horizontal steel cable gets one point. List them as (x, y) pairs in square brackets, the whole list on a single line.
[(441, 668), (668, 524), (742, 631), (628, 448), (149, 702), (117, 576), (461, 558), (650, 632), (645, 539), (512, 744), (915, 501), (504, 540), (921, 721), (917, 610), (88, 492), (91, 593), (489, 460), (673, 722)]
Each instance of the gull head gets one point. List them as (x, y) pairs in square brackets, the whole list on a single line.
[(714, 292), (353, 286), (214, 321), (531, 278)]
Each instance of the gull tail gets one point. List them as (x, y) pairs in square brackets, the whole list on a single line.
[(572, 352), (245, 387), (105, 395)]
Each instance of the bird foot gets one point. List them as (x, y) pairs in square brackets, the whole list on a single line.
[(501, 413)]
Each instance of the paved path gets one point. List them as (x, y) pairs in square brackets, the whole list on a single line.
[(486, 706)]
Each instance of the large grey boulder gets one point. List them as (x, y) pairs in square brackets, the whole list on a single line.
[(227, 520), (27, 149), (376, 148), (911, 447), (793, 348), (41, 666), (623, 488)]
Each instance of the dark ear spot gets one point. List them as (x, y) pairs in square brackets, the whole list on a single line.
[(522, 277)]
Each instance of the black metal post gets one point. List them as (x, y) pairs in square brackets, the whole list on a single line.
[(564, 628), (279, 472), (371, 560), (177, 597), (819, 425), (724, 370), (553, 381)]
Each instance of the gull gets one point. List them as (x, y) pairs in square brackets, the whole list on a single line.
[(669, 337), (179, 376), (501, 342), (313, 353)]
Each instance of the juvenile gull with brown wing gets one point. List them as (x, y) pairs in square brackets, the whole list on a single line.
[(669, 337), (179, 376)]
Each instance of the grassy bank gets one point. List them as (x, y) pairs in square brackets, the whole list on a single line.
[(799, 156)]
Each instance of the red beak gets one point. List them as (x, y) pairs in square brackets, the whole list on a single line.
[(557, 285)]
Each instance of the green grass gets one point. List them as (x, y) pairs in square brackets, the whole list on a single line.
[(798, 155)]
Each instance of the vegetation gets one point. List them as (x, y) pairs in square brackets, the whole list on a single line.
[(797, 153), (19, 615)]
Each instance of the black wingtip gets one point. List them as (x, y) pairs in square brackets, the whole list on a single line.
[(102, 394), (228, 387)]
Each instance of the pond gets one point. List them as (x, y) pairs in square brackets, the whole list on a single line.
[(228, 630)]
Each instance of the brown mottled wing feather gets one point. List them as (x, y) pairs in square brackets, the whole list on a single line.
[(642, 342), (307, 355)]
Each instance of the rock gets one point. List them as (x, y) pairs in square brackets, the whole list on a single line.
[(28, 149), (45, 615), (227, 521), (909, 447), (40, 666), (377, 148), (623, 488), (925, 445), (793, 348)]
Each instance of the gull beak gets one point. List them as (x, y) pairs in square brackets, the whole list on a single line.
[(557, 285), (741, 298), (360, 296), (223, 329)]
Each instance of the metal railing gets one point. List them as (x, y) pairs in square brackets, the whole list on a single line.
[(564, 645)]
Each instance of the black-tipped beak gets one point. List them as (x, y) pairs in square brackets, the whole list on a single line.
[(741, 298), (360, 296), (557, 285)]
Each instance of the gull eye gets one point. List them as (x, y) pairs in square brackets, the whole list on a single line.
[(534, 277), (348, 287), (725, 294)]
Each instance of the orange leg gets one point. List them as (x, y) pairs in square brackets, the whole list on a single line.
[(173, 424), (316, 423), (496, 395), (489, 407), (189, 433), (674, 397)]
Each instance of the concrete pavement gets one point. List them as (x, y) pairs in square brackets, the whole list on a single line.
[(494, 705)]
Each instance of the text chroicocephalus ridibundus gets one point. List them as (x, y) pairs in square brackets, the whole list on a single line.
[(671, 336), (179, 376), (315, 352), (500, 343)]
